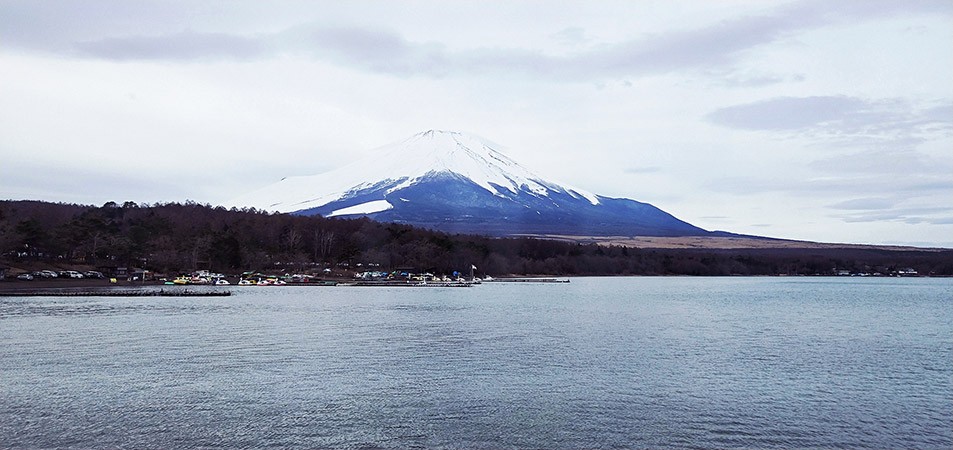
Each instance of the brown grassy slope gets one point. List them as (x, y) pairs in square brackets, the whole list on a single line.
[(723, 243)]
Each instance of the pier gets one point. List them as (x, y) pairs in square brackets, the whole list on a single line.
[(113, 293)]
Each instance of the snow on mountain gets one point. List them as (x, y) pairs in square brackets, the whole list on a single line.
[(461, 183), (371, 207), (404, 163)]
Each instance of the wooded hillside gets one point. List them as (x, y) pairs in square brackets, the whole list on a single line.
[(172, 238)]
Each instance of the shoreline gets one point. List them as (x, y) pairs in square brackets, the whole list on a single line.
[(55, 286)]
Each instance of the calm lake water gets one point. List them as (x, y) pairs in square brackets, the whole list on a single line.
[(597, 363)]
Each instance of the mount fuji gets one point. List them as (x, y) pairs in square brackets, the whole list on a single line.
[(461, 183)]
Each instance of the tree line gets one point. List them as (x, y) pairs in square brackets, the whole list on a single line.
[(181, 237)]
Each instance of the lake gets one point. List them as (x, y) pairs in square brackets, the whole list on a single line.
[(596, 363)]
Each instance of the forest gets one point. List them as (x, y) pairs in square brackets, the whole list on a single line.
[(181, 237)]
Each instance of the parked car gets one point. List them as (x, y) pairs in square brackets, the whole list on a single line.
[(93, 274), (25, 276)]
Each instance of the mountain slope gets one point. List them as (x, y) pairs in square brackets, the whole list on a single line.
[(458, 182)]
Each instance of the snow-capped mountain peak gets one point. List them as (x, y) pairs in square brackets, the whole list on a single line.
[(459, 182), (474, 158), (399, 165)]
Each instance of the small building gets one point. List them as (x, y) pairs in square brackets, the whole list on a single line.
[(109, 270), (137, 274)]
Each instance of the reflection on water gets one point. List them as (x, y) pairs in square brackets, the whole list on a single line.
[(597, 363)]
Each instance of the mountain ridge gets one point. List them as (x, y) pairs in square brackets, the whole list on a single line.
[(459, 182)]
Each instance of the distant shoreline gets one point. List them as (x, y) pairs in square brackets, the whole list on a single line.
[(721, 243)]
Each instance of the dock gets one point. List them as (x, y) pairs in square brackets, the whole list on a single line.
[(368, 283), (113, 293), (527, 280)]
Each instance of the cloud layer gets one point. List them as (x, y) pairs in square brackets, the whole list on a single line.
[(386, 51)]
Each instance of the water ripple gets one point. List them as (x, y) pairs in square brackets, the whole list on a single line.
[(598, 363)]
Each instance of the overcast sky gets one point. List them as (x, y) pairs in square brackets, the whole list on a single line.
[(818, 120)]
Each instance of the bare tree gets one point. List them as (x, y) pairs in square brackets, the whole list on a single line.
[(323, 242), (292, 239)]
